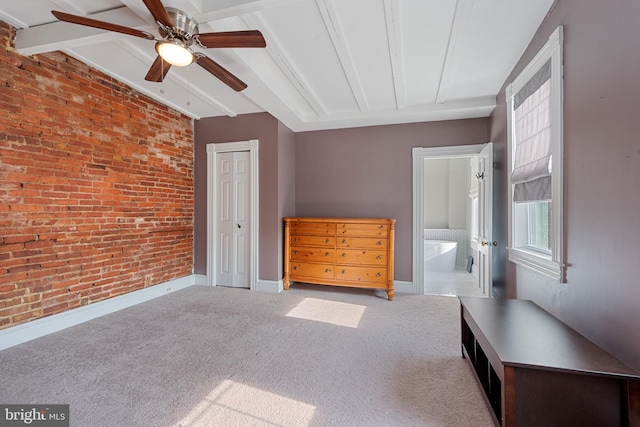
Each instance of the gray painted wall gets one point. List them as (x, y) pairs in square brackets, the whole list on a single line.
[(360, 172), (273, 200), (601, 298), (286, 185), (367, 172)]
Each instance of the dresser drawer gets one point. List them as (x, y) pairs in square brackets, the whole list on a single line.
[(313, 229), (362, 257), (363, 230), (312, 254), (361, 274), (301, 270), (328, 242), (361, 242), (353, 252)]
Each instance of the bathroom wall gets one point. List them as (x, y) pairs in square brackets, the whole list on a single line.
[(446, 193), (446, 210)]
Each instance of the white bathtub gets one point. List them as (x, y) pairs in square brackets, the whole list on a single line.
[(440, 255)]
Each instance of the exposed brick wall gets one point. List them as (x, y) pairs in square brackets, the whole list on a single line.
[(96, 186)]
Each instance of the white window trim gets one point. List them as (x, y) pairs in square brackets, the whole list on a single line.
[(550, 265)]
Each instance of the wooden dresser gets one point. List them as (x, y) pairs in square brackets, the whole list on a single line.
[(354, 252)]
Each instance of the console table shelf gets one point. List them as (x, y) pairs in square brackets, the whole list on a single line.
[(535, 370)]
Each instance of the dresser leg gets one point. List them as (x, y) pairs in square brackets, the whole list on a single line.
[(286, 284), (390, 294)]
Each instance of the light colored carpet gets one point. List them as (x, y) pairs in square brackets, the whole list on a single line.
[(311, 356)]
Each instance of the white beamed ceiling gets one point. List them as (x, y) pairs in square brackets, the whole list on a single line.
[(328, 63)]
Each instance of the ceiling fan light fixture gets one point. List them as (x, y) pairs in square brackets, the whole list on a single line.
[(175, 52)]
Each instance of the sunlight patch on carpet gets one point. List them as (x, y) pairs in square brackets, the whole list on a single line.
[(235, 404), (334, 312)]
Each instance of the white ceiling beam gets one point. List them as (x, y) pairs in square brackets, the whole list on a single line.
[(69, 6), (12, 20), (332, 24), (220, 9), (457, 35), (63, 35), (139, 9), (394, 37), (460, 109), (285, 64), (196, 4)]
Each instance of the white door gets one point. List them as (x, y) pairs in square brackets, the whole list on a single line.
[(233, 203), (485, 212)]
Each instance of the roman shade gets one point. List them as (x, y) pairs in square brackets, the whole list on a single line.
[(531, 174)]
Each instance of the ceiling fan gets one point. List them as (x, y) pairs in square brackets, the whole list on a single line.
[(179, 32)]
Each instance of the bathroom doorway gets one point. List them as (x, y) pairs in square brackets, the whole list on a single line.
[(452, 216)]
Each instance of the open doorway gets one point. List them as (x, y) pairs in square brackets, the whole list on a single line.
[(452, 220), (451, 226)]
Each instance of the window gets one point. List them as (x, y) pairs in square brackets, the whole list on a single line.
[(534, 120)]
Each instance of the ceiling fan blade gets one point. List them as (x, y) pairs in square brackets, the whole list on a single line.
[(83, 20), (251, 38), (217, 70), (159, 12), (158, 70)]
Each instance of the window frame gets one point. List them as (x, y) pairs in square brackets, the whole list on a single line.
[(551, 265)]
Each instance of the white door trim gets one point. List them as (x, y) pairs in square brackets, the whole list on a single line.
[(212, 178), (419, 155)]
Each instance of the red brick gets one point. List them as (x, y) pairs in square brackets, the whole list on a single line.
[(83, 162)]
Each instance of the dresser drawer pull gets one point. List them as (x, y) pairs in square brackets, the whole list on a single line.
[(326, 270), (296, 239), (344, 255), (344, 271), (379, 243), (295, 252), (326, 241), (326, 254), (379, 274), (379, 256), (295, 268), (381, 227)]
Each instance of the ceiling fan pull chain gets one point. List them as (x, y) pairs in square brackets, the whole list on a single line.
[(162, 78), (188, 87)]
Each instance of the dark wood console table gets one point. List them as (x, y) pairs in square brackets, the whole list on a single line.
[(537, 371)]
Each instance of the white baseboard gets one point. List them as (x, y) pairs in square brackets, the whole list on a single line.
[(201, 279), (24, 332), (403, 287), (271, 286)]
